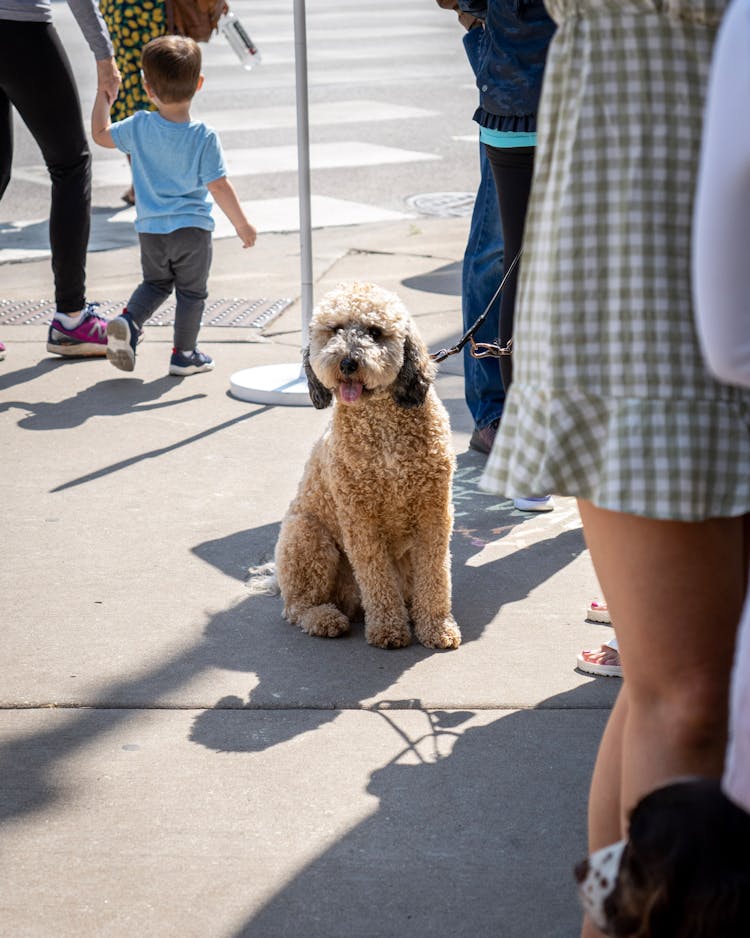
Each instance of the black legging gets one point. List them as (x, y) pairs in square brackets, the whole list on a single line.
[(512, 169), (37, 80)]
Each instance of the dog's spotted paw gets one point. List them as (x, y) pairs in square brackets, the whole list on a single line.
[(388, 635), (324, 621), (445, 634)]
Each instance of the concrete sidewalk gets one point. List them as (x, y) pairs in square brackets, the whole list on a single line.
[(177, 759)]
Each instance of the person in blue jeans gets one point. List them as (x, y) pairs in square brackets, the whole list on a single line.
[(481, 274), (517, 34)]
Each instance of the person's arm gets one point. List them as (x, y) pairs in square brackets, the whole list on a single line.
[(91, 23), (477, 8), (225, 197), (467, 20), (721, 230), (100, 120), (108, 79), (96, 34)]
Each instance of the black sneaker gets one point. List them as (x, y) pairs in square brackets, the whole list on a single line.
[(180, 364), (122, 338)]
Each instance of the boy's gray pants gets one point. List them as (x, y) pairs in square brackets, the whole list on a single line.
[(180, 259)]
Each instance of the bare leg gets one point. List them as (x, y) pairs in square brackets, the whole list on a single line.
[(604, 794), (675, 591)]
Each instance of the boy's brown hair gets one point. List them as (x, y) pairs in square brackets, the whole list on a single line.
[(172, 67)]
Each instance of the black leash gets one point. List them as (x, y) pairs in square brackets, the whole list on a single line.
[(482, 349)]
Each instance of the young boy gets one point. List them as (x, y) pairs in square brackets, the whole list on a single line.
[(176, 162)]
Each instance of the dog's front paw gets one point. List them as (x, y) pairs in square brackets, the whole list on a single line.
[(388, 634), (324, 621), (445, 634)]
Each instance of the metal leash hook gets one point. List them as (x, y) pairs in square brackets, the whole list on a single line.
[(481, 349), (490, 349)]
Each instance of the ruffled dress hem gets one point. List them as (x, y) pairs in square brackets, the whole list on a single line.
[(669, 459)]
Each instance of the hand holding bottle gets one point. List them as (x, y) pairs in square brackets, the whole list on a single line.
[(239, 39)]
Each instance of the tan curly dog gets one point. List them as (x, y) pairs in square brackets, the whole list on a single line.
[(368, 532)]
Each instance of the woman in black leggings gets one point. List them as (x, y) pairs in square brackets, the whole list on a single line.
[(36, 79), (512, 169)]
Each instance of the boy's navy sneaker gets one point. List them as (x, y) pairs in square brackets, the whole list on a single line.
[(122, 338), (88, 338), (191, 364)]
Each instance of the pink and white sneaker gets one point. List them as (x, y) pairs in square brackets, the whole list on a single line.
[(2, 351), (87, 339)]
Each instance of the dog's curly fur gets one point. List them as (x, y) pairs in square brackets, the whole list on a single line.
[(369, 529), (684, 871)]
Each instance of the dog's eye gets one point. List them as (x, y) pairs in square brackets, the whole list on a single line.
[(374, 332)]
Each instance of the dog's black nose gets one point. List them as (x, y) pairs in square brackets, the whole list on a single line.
[(348, 366), (581, 870)]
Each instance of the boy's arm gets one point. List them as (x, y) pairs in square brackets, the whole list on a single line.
[(225, 197), (100, 121)]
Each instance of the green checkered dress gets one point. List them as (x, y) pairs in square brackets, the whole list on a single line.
[(611, 400)]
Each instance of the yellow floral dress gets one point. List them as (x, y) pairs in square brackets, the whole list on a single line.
[(131, 26)]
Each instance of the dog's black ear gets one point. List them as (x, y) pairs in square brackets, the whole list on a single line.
[(413, 381), (319, 393)]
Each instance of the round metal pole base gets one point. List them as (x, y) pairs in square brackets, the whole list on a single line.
[(284, 384)]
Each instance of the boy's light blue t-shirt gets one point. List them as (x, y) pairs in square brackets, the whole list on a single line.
[(172, 164)]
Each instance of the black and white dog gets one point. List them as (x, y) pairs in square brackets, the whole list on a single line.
[(683, 872)]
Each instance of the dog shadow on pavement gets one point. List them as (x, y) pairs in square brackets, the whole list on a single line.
[(325, 676)]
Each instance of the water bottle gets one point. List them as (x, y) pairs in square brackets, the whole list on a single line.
[(239, 40)]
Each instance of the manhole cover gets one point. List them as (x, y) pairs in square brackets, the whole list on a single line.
[(233, 313), (443, 204)]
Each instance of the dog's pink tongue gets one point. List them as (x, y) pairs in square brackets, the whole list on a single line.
[(350, 391)]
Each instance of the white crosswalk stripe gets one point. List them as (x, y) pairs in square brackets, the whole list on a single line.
[(325, 112)]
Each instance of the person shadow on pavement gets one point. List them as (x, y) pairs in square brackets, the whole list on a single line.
[(475, 833), (10, 379), (109, 398)]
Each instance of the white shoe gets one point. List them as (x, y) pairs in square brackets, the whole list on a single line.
[(598, 612), (608, 664), (544, 503)]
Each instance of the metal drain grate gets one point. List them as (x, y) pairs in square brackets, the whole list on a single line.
[(442, 204), (232, 313)]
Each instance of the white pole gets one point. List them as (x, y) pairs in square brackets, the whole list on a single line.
[(303, 166), (286, 384)]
